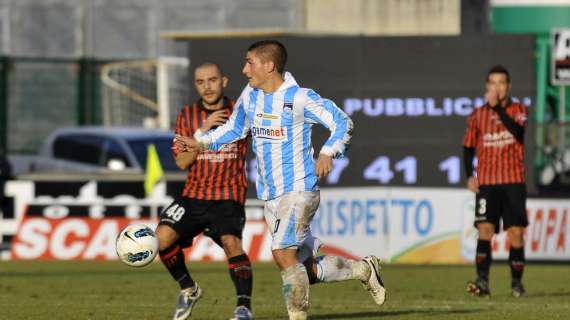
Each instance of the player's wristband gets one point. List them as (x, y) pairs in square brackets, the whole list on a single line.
[(327, 151), (198, 133)]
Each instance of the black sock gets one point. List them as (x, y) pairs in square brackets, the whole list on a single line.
[(309, 264), (516, 261), (483, 259), (173, 260), (242, 276)]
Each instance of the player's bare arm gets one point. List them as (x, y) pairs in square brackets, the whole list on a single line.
[(187, 154), (186, 143), (186, 159)]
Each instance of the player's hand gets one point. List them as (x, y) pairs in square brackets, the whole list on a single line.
[(492, 98), (185, 144), (178, 146), (324, 166), (473, 184), (215, 119)]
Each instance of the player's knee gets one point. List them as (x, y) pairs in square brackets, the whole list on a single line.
[(516, 231), (231, 245), (486, 236), (166, 236), (486, 231), (516, 236), (285, 258)]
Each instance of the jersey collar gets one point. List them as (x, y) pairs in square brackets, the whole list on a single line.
[(227, 105)]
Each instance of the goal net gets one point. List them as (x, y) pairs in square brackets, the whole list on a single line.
[(145, 93)]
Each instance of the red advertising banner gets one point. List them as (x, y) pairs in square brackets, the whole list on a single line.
[(68, 238), (546, 235), (94, 239)]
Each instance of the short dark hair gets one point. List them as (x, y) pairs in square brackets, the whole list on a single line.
[(210, 64), (271, 50), (499, 69)]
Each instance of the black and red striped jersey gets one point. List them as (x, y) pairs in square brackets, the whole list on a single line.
[(500, 157), (215, 175)]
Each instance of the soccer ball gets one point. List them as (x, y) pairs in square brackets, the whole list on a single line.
[(137, 245)]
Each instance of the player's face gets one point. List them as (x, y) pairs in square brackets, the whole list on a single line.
[(255, 70), (210, 84), (497, 82)]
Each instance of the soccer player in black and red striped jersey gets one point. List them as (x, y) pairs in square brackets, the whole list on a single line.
[(496, 132), (213, 197)]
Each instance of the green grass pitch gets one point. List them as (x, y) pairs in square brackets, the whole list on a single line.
[(111, 290)]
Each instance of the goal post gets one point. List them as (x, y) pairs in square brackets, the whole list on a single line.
[(144, 92), (166, 66)]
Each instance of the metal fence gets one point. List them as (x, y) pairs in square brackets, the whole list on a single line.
[(39, 95), (553, 161)]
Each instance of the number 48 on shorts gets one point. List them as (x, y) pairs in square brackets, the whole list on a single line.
[(175, 212)]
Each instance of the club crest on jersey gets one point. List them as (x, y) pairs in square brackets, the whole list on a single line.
[(272, 133), (288, 107), (520, 118)]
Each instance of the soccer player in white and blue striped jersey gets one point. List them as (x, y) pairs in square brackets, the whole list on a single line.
[(279, 115)]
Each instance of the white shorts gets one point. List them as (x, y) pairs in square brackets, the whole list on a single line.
[(289, 220)]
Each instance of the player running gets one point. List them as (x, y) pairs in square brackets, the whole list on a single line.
[(279, 115)]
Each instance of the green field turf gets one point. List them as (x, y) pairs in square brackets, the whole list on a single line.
[(110, 290)]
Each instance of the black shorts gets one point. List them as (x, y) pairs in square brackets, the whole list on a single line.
[(190, 217), (506, 201)]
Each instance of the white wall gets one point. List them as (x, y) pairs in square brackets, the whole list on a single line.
[(128, 28), (384, 17)]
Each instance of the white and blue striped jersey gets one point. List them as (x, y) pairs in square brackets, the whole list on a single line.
[(280, 125)]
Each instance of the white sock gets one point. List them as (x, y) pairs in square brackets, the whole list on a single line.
[(296, 290), (333, 269)]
